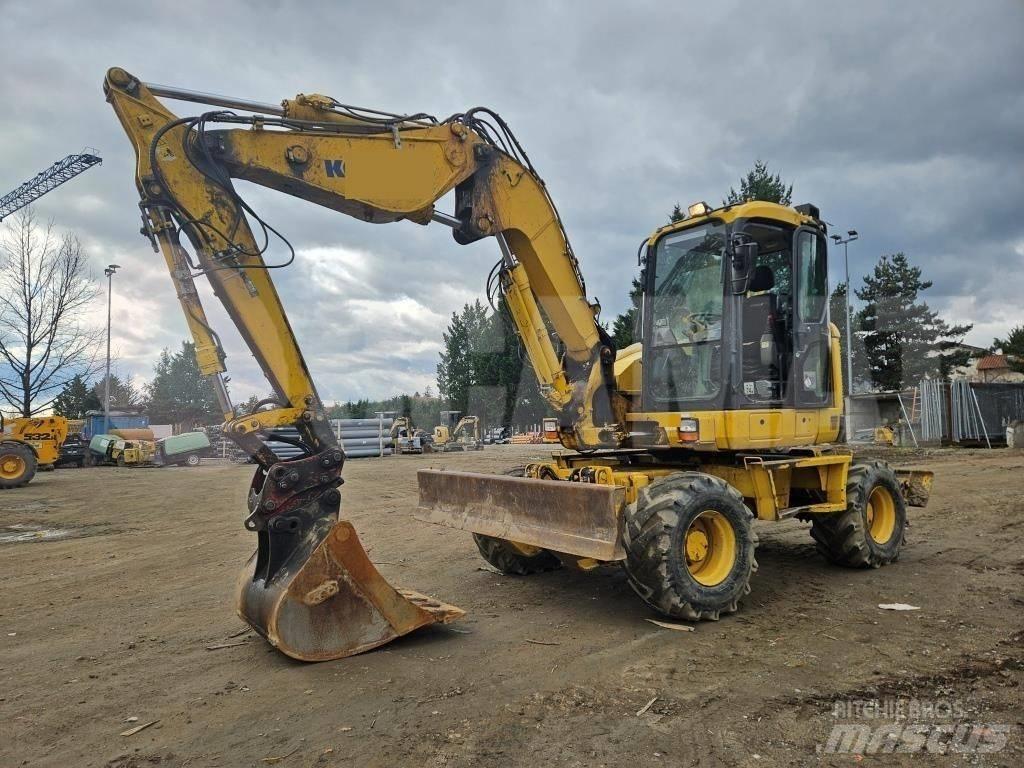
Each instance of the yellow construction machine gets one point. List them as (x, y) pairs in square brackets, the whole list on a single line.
[(405, 438), (731, 417), (32, 443), (455, 434)]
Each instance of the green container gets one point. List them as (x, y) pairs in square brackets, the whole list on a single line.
[(187, 442), (99, 443)]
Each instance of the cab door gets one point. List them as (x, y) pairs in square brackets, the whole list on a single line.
[(810, 369)]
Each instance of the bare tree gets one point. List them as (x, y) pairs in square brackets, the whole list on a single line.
[(45, 287)]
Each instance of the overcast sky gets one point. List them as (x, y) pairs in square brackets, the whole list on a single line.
[(904, 121)]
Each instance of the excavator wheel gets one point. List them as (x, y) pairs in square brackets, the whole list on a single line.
[(871, 531), (690, 546), (17, 465), (511, 557)]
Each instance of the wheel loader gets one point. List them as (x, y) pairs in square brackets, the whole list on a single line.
[(726, 412), (32, 443)]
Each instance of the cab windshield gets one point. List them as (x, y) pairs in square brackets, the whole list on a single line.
[(686, 314)]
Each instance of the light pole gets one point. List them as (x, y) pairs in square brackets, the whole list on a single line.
[(109, 272), (851, 235)]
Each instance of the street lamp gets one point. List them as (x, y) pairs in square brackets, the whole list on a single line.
[(109, 272), (851, 235)]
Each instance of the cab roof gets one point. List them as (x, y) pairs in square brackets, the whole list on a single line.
[(759, 209)]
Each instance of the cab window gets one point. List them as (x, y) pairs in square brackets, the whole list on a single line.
[(686, 315), (813, 270)]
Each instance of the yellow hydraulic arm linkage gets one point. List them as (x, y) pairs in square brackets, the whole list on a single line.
[(310, 588)]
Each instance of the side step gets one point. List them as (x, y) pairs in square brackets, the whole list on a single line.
[(579, 519)]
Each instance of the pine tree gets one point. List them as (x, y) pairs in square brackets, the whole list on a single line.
[(123, 394), (456, 372), (904, 340), (760, 184), (179, 392), (75, 399), (624, 325), (484, 369), (1013, 347)]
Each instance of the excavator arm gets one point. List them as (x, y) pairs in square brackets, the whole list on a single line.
[(310, 588)]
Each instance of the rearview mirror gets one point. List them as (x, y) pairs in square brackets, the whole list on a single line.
[(742, 259)]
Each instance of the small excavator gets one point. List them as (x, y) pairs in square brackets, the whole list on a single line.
[(455, 434), (407, 439), (731, 416)]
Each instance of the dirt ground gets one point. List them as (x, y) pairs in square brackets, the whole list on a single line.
[(113, 623)]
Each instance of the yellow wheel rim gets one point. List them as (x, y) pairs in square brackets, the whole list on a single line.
[(881, 515), (710, 548), (11, 466)]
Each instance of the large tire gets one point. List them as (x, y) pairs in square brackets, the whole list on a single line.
[(17, 465), (690, 546), (515, 559), (871, 531)]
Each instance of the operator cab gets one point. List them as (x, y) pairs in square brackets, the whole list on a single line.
[(736, 312)]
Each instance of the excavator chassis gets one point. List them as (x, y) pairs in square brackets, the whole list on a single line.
[(574, 504)]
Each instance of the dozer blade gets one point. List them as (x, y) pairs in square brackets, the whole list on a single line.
[(579, 519), (310, 589)]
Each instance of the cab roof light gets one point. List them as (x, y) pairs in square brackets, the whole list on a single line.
[(698, 209)]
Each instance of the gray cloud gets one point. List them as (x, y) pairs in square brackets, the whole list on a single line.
[(902, 121)]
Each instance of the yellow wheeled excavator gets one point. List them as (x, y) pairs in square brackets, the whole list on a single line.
[(724, 413)]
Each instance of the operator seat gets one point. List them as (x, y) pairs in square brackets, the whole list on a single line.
[(760, 356)]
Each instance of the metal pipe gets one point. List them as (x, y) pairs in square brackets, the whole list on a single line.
[(444, 218), (506, 252), (199, 97), (109, 272), (981, 418), (906, 418)]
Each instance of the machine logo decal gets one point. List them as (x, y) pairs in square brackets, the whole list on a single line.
[(334, 168)]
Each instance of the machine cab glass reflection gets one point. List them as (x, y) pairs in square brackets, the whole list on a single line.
[(686, 316), (714, 345)]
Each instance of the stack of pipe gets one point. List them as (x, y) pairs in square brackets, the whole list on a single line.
[(359, 437), (364, 437)]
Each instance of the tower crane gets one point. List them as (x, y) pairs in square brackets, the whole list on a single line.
[(47, 181)]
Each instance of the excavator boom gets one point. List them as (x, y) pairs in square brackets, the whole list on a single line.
[(309, 588)]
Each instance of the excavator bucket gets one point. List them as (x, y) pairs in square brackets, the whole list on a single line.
[(329, 601), (310, 589)]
